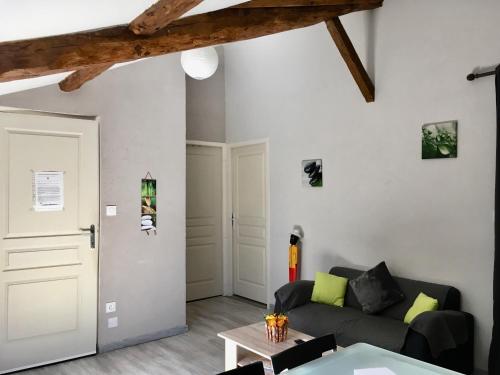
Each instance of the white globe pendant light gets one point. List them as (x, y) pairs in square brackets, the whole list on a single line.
[(200, 63)]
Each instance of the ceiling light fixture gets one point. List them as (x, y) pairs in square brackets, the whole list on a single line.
[(200, 63)]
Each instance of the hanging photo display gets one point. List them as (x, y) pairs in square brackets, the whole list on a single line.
[(312, 173), (148, 205)]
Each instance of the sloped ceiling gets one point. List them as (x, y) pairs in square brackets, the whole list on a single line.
[(27, 19)]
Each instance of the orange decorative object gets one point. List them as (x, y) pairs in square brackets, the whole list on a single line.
[(293, 263), (293, 254), (276, 327)]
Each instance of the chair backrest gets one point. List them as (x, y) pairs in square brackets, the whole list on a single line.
[(256, 368), (303, 353)]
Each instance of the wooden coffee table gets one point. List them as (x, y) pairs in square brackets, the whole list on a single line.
[(249, 344)]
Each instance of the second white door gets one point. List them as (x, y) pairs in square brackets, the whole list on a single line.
[(249, 191), (203, 222)]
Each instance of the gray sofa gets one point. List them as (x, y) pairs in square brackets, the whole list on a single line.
[(386, 329)]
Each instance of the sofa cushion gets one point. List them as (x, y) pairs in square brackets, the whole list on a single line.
[(422, 304), (448, 296), (329, 289), (349, 325), (317, 319), (376, 290), (376, 330)]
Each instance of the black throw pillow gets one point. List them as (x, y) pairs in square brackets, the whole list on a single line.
[(376, 289)]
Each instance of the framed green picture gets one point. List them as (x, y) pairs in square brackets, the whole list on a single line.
[(439, 140)]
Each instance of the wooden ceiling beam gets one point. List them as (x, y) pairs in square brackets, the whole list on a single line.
[(76, 79), (351, 58), (61, 53), (308, 3), (160, 15), (150, 21)]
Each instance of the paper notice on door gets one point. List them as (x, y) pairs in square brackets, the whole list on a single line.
[(374, 371), (48, 191)]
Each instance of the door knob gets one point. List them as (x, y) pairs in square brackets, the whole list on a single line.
[(91, 230)]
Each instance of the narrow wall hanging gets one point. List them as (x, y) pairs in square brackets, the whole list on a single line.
[(439, 140), (148, 204), (312, 173)]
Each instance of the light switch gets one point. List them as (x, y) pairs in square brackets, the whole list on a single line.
[(110, 210), (113, 322), (110, 307)]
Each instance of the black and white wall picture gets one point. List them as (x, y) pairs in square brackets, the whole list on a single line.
[(312, 173)]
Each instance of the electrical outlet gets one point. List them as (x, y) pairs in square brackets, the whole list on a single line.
[(113, 322), (110, 307)]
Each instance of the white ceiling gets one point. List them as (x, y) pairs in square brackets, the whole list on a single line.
[(26, 19)]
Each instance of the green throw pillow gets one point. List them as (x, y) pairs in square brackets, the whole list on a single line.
[(329, 289), (422, 304)]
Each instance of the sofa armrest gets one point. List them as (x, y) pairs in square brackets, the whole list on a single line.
[(444, 329), (444, 338), (292, 295)]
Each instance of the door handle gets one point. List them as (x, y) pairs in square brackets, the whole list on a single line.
[(91, 230)]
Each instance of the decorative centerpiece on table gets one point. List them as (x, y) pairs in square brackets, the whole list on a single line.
[(276, 327)]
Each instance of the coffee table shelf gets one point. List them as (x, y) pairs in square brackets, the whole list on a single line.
[(249, 357), (250, 344)]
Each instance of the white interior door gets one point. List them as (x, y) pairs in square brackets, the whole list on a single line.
[(249, 192), (203, 222), (49, 191)]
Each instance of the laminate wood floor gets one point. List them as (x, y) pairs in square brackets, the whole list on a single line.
[(199, 351)]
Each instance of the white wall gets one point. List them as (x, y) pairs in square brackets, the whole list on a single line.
[(429, 219), (206, 106), (143, 128)]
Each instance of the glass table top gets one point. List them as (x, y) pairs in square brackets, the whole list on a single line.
[(357, 357)]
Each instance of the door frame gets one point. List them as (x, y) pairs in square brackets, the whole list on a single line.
[(227, 283), (230, 146), (227, 210)]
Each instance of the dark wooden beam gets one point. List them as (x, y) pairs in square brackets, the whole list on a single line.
[(55, 54), (299, 3), (150, 21), (351, 58), (76, 79), (160, 15)]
